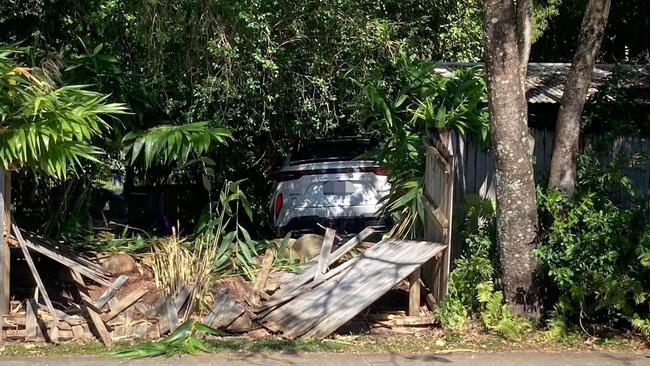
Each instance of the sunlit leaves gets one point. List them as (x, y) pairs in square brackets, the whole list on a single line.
[(172, 143), (47, 127)]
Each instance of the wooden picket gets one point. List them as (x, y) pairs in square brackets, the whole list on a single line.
[(438, 196)]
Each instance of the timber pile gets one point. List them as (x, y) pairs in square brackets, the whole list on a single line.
[(329, 291), (318, 301), (81, 318)]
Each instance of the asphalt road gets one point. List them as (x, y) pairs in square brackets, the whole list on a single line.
[(332, 359)]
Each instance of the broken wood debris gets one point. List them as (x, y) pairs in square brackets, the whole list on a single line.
[(65, 256), (54, 329), (324, 307)]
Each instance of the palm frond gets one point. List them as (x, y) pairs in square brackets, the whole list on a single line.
[(172, 143), (48, 127)]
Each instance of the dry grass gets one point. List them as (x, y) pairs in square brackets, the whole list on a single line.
[(177, 262)]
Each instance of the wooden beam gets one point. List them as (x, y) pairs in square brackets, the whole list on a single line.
[(224, 311), (263, 275), (5, 259), (110, 291), (310, 268), (325, 252), (124, 303), (70, 263), (31, 322), (94, 316), (54, 330), (414, 293), (172, 315)]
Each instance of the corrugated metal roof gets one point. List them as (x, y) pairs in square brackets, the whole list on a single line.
[(545, 81)]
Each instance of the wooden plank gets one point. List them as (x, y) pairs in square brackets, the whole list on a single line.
[(124, 303), (31, 324), (95, 318), (325, 251), (78, 333), (263, 275), (301, 290), (62, 249), (336, 301), (365, 284), (431, 301), (168, 309), (368, 294), (183, 295), (310, 268), (54, 329), (308, 295), (435, 211), (312, 310), (224, 311), (62, 315), (5, 271), (414, 293), (110, 291), (172, 315), (73, 265)]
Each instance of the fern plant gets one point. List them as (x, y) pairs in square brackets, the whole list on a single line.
[(496, 315)]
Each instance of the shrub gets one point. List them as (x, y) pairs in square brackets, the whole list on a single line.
[(594, 256)]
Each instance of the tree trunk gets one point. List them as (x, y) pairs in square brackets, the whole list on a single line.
[(505, 51), (567, 128)]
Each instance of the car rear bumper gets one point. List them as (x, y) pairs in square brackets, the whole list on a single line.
[(343, 225)]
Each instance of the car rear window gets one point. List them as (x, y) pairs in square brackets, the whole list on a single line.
[(332, 150)]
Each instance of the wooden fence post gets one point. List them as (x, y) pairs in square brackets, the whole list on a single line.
[(5, 222)]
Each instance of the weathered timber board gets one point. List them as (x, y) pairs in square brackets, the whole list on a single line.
[(54, 330), (301, 313), (62, 249), (74, 263), (224, 311), (309, 268), (370, 286), (325, 252), (325, 308), (110, 292)]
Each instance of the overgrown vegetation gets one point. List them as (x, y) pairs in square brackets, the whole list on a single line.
[(186, 339), (594, 258), (594, 261), (103, 96), (426, 101)]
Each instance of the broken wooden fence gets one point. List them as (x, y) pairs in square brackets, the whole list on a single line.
[(438, 196), (317, 302)]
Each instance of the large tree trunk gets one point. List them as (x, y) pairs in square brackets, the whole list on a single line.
[(506, 52), (567, 129)]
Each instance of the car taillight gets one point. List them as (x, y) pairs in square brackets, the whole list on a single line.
[(278, 204), (379, 170)]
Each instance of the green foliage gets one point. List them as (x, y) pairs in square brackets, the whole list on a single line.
[(186, 339), (593, 259), (426, 101), (620, 106), (44, 126), (496, 315), (473, 269), (172, 143), (237, 250)]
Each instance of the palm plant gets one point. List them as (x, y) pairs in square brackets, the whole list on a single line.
[(426, 101), (169, 143), (44, 126)]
